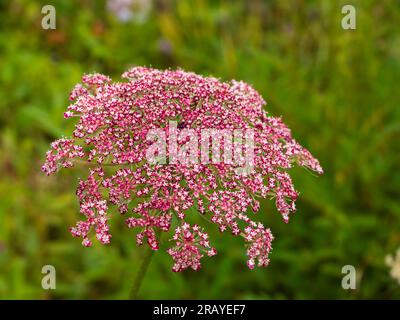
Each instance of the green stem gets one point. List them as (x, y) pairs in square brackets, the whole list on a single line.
[(141, 273), (87, 163)]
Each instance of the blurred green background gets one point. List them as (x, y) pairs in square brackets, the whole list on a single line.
[(336, 89)]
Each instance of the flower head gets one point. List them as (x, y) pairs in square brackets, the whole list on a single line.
[(115, 121)]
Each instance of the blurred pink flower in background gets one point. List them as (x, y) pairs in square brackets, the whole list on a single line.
[(130, 10), (394, 263)]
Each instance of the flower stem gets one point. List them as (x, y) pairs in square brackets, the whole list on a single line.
[(141, 273), (144, 265)]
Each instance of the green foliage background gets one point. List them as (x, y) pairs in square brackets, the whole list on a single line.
[(337, 89)]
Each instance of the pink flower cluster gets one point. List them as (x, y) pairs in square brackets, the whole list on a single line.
[(94, 208), (259, 240), (110, 136), (190, 242)]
